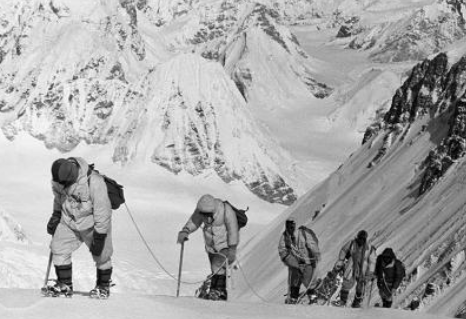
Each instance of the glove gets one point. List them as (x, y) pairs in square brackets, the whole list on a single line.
[(182, 237), (339, 265), (53, 222), (230, 253), (98, 243)]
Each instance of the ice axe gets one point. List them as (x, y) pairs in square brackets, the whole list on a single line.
[(180, 269), (370, 293), (47, 273)]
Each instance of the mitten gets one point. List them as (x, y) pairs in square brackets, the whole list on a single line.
[(182, 237), (53, 222), (230, 253), (98, 243)]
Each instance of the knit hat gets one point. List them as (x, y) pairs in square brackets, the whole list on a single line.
[(362, 235), (68, 172), (206, 204), (55, 167), (388, 252), (290, 220)]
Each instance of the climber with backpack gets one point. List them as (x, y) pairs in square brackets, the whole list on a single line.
[(82, 213), (357, 262), (221, 223), (299, 251), (390, 273)]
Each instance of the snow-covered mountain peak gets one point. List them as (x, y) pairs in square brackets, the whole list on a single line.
[(202, 122)]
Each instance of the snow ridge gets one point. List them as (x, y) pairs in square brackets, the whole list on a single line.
[(87, 73), (380, 188)]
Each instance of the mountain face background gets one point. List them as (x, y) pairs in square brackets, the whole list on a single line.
[(89, 73), (405, 186), (86, 73)]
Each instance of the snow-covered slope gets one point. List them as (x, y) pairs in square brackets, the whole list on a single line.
[(405, 186), (105, 73), (414, 36), (258, 52), (196, 120), (27, 304)]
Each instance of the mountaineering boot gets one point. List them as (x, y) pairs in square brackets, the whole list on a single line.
[(218, 290), (341, 302), (102, 288), (212, 287), (203, 291), (293, 297), (311, 294), (291, 301), (64, 285), (357, 301)]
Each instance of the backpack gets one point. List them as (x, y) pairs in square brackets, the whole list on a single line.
[(114, 190), (311, 233), (240, 215)]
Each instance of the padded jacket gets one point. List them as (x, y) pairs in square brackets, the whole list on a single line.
[(84, 204), (220, 232), (361, 259), (305, 247)]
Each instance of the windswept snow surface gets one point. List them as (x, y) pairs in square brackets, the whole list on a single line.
[(321, 133), (159, 204), (25, 304), (426, 232)]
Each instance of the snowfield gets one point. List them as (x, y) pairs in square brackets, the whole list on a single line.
[(25, 304), (275, 124)]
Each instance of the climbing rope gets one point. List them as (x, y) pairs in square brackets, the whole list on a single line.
[(154, 256), (249, 285), (151, 252)]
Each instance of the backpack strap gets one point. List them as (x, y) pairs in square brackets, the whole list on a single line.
[(90, 169)]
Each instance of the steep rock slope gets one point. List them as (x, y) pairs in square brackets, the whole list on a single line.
[(238, 34), (408, 35), (196, 120), (378, 189)]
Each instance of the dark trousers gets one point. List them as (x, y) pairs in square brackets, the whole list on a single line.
[(305, 275)]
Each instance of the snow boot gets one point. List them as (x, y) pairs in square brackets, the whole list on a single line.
[(218, 288), (341, 302), (291, 301), (358, 298), (386, 303), (102, 288), (63, 285), (203, 291), (311, 294), (293, 296)]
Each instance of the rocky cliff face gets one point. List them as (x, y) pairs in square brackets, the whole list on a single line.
[(413, 36), (103, 73), (235, 34), (436, 90)]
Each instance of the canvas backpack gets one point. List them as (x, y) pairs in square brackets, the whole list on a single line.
[(240, 215), (114, 189)]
